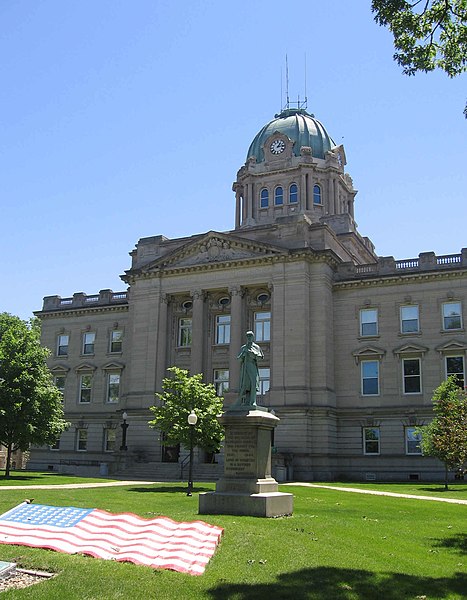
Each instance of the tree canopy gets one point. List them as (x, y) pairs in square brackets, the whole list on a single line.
[(31, 410), (428, 34), (183, 393), (446, 436)]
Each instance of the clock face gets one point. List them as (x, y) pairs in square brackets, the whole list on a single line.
[(277, 146)]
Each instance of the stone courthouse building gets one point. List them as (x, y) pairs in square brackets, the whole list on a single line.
[(354, 344)]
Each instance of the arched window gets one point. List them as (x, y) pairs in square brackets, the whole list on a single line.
[(293, 194), (317, 195), (278, 196), (264, 198)]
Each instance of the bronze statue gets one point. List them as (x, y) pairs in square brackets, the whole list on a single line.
[(249, 355)]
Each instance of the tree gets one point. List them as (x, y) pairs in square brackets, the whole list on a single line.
[(428, 34), (183, 393), (31, 410), (446, 436)]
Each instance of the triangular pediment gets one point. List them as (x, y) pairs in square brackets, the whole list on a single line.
[(452, 346), (368, 353), (113, 366), (85, 368), (214, 247), (410, 349), (59, 369)]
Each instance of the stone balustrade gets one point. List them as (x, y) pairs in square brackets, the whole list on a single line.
[(80, 300), (387, 265)]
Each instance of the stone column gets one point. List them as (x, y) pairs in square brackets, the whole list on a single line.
[(235, 337), (303, 194), (161, 359), (238, 200), (197, 331)]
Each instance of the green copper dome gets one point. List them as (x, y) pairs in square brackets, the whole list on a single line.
[(301, 127)]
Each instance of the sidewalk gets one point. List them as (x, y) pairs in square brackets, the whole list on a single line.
[(377, 493), (71, 486)]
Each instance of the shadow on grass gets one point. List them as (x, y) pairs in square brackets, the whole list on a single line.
[(328, 583), (170, 489), (443, 490), (457, 542), (22, 477)]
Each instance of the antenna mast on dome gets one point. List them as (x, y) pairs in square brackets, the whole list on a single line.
[(299, 104)]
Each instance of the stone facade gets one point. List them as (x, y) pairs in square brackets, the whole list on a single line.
[(354, 343)]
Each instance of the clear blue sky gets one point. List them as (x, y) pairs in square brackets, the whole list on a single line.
[(123, 119)]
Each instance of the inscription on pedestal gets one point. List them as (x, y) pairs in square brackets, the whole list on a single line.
[(240, 453)]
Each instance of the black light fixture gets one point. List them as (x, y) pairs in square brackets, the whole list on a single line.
[(192, 420), (124, 427)]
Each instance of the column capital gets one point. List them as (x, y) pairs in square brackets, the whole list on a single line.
[(236, 290), (198, 295)]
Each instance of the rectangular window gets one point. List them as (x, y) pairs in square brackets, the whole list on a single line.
[(455, 366), (62, 345), (82, 440), (85, 385), (113, 387), (264, 380), (184, 332), (368, 321), (452, 317), (412, 376), (223, 329), (116, 337), (55, 446), (110, 438), (412, 441), (88, 343), (221, 381), (263, 326), (409, 319), (59, 381), (370, 378), (371, 436)]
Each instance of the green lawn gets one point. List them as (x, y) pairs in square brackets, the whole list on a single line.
[(46, 478), (457, 490), (336, 546)]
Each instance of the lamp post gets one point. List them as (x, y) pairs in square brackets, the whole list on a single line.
[(124, 427), (192, 420)]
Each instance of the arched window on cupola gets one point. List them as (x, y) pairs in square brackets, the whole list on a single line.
[(278, 196), (317, 199), (293, 193), (264, 198)]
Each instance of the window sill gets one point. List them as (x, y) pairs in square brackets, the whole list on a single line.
[(443, 331), (410, 334)]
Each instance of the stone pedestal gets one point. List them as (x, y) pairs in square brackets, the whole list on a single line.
[(247, 487)]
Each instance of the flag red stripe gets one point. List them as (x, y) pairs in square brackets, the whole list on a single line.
[(158, 543), (77, 544), (83, 533)]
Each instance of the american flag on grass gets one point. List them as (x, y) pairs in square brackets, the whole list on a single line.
[(159, 543)]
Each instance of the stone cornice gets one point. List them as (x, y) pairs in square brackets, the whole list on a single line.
[(79, 312), (288, 169), (399, 279), (326, 256)]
